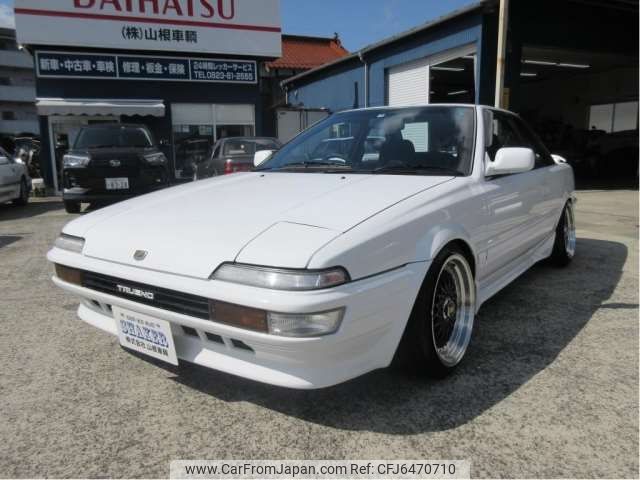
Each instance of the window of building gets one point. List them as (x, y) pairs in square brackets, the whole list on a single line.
[(614, 117), (8, 115), (197, 126)]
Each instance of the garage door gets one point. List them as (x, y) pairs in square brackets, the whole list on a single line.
[(408, 85)]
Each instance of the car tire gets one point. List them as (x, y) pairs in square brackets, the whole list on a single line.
[(564, 246), (23, 199), (441, 323), (72, 207)]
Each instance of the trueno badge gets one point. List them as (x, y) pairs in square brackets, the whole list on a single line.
[(140, 255)]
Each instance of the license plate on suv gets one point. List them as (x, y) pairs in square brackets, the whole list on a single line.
[(145, 334), (117, 183)]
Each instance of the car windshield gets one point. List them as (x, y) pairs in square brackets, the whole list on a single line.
[(414, 141), (113, 137), (247, 147)]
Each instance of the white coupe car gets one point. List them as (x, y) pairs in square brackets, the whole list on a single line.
[(15, 182), (314, 269)]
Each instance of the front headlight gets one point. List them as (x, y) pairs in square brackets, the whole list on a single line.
[(280, 279), (71, 160), (156, 159), (70, 243)]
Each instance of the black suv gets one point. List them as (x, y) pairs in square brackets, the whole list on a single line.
[(112, 162)]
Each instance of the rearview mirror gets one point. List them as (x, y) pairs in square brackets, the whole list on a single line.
[(261, 156), (511, 160)]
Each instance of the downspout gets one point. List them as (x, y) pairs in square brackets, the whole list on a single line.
[(503, 20), (366, 79)]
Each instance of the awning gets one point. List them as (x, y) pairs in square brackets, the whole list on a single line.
[(79, 106)]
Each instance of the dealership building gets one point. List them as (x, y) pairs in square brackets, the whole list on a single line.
[(188, 70), (570, 67)]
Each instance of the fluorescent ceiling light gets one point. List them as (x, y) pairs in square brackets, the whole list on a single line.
[(556, 64), (528, 74), (457, 92), (539, 62), (574, 65), (448, 69)]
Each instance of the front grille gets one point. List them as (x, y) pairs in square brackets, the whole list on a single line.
[(124, 161), (163, 298)]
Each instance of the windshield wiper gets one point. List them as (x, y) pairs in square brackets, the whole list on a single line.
[(308, 164), (418, 168)]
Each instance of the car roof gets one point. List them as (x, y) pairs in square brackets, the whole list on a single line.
[(249, 139), (115, 125)]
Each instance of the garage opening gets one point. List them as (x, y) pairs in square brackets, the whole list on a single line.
[(453, 81), (448, 77), (585, 107)]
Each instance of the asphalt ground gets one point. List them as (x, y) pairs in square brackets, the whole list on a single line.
[(549, 387)]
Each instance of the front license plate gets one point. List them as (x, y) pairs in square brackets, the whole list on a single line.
[(145, 334), (117, 183)]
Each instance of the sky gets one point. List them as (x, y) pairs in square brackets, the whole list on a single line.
[(358, 22)]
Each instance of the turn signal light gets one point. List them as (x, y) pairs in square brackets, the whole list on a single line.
[(68, 274), (239, 316)]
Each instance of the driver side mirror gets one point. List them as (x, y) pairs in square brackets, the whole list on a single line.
[(261, 156), (510, 160)]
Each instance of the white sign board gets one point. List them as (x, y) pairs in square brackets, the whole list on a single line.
[(236, 27)]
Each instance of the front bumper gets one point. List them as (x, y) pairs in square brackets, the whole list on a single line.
[(377, 309), (88, 196), (88, 184)]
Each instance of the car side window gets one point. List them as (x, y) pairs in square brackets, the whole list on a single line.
[(504, 135), (543, 157), (216, 151), (511, 131), (4, 157)]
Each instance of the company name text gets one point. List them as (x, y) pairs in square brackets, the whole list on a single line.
[(224, 9)]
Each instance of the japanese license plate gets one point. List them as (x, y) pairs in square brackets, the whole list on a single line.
[(145, 334), (121, 183)]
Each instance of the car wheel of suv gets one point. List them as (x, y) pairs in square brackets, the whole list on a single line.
[(23, 199), (564, 247), (441, 323), (71, 206)]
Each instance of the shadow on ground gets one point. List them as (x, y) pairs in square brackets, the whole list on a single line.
[(6, 240), (519, 333), (9, 211)]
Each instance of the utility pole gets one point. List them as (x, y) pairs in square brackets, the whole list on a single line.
[(503, 21)]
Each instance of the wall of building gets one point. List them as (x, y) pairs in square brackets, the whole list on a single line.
[(334, 87), (458, 32), (342, 89), (17, 88), (169, 92)]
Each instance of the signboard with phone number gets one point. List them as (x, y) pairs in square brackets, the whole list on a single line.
[(143, 67)]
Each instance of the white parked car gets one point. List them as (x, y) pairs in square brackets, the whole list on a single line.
[(310, 271), (15, 182)]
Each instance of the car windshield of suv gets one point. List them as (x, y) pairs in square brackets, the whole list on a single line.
[(434, 140), (247, 147), (113, 137)]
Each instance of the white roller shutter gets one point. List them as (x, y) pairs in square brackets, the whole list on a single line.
[(408, 85), (191, 114)]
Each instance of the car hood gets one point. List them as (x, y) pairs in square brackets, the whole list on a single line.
[(278, 219)]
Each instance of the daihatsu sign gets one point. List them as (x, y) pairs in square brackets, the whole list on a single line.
[(237, 27)]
